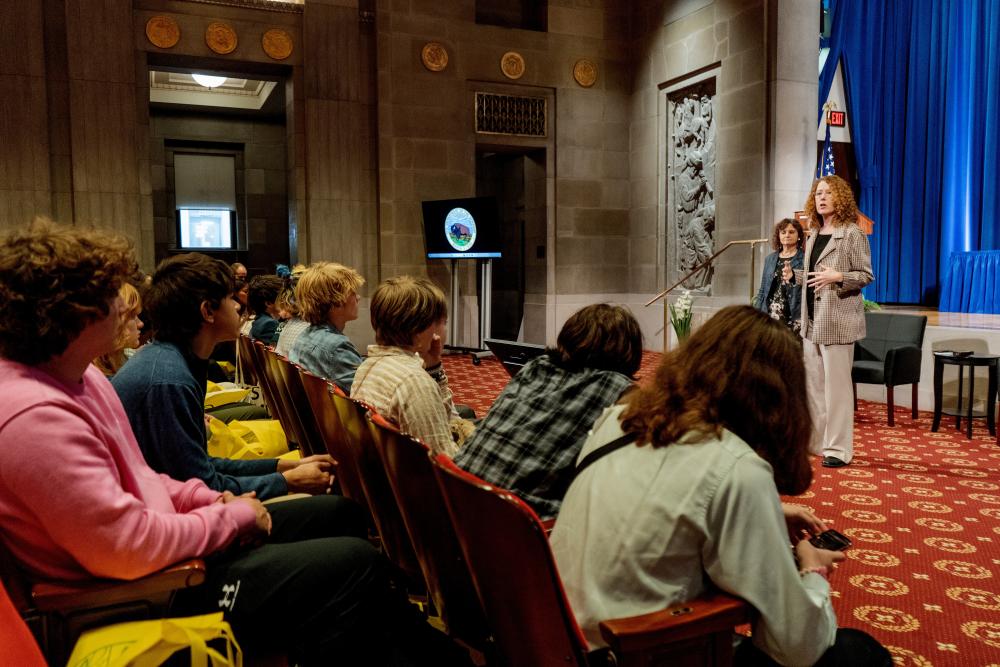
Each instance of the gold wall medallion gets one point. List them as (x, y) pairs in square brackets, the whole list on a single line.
[(163, 31), (434, 56), (585, 72), (220, 37), (277, 43), (512, 65)]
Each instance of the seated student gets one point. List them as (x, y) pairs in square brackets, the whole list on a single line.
[(690, 498), (327, 296), (261, 298), (402, 378), (129, 327), (292, 325), (163, 386), (313, 588), (529, 440)]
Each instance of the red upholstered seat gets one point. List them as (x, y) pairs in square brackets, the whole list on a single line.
[(449, 585), (518, 583)]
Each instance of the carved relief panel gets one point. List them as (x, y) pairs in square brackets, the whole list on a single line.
[(690, 182)]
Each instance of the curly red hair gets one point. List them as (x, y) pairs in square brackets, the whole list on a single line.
[(845, 210)]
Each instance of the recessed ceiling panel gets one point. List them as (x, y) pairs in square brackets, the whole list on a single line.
[(234, 93)]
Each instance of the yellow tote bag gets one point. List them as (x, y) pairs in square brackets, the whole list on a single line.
[(150, 643), (249, 440), (223, 394)]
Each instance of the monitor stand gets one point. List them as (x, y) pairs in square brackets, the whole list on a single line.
[(477, 353)]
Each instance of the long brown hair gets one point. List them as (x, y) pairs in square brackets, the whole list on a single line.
[(845, 210), (741, 371)]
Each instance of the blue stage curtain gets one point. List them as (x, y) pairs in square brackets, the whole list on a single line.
[(922, 83), (972, 283)]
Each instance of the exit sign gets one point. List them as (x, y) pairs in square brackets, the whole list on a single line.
[(836, 118)]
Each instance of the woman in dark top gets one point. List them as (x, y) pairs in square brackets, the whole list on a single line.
[(838, 264), (776, 297)]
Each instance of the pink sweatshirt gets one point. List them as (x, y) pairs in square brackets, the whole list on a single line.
[(77, 499)]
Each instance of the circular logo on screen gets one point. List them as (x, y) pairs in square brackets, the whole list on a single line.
[(460, 229)]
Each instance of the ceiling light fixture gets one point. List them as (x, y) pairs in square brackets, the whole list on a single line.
[(208, 80)]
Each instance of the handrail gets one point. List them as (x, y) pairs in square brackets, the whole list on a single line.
[(751, 242)]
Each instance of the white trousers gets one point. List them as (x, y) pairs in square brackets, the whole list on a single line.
[(831, 399)]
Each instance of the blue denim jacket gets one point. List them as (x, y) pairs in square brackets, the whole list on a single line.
[(324, 350), (794, 291)]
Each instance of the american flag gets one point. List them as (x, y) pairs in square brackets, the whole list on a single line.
[(825, 167)]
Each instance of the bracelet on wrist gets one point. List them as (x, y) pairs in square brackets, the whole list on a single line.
[(821, 570)]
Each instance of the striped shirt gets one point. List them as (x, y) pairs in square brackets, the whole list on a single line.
[(395, 383)]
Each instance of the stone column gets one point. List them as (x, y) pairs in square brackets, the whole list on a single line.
[(338, 123), (793, 46), (25, 178), (103, 116)]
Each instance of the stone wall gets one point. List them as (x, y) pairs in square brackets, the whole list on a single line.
[(262, 203), (428, 143), (370, 132), (762, 55)]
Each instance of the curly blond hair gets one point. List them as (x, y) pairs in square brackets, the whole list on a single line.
[(845, 210), (54, 281)]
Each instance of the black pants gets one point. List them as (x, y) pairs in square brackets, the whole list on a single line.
[(238, 411), (852, 647), (320, 593)]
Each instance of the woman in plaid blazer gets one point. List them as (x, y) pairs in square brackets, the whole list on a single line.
[(837, 265)]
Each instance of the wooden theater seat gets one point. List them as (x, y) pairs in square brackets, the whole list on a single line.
[(515, 574), (428, 524), (57, 612)]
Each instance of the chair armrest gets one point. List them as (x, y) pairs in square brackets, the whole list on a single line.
[(713, 612), (902, 365), (66, 597), (548, 525)]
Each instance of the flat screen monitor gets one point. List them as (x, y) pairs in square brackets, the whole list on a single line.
[(206, 229), (462, 228), (513, 355)]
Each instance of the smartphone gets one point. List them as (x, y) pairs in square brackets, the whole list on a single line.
[(831, 540)]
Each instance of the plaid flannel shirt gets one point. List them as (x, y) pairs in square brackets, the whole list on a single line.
[(529, 441)]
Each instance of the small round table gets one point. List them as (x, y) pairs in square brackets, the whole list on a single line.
[(971, 361)]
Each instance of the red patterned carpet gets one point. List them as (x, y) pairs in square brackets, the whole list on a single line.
[(923, 510)]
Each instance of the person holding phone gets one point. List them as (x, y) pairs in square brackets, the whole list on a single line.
[(677, 488), (777, 297), (838, 263)]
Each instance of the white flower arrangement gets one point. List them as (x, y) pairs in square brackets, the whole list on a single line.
[(680, 315)]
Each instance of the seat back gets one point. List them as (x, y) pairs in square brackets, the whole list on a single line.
[(17, 645), (334, 437), (289, 373), (255, 354), (245, 360), (425, 515), (286, 413), (381, 502), (888, 330), (513, 570)]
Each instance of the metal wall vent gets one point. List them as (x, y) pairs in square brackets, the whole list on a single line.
[(511, 115)]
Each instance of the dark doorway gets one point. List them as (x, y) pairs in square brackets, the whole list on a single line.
[(516, 177)]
